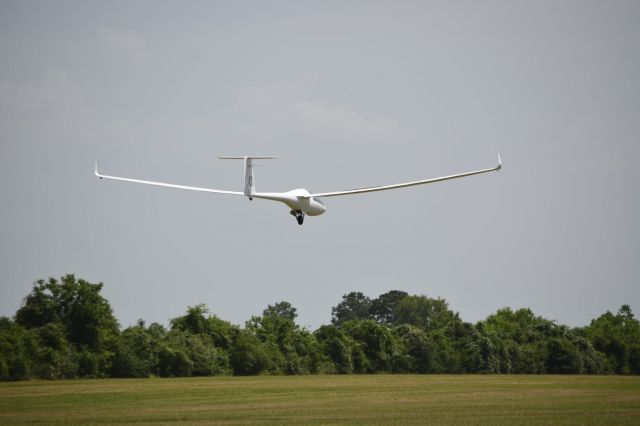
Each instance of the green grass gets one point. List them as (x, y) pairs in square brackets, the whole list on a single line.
[(376, 399)]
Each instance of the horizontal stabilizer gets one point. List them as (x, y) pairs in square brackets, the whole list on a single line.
[(253, 157)]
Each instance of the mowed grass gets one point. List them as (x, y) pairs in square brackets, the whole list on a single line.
[(372, 399)]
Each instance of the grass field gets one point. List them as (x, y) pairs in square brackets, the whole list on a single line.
[(376, 399)]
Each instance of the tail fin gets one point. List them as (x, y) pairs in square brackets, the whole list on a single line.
[(249, 182)]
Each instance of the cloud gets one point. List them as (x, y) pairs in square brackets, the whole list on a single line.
[(57, 95), (120, 39), (280, 108), (334, 118)]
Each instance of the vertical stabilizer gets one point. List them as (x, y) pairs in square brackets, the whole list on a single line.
[(249, 184), (249, 181)]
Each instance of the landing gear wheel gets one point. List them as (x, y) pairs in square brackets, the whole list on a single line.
[(299, 216)]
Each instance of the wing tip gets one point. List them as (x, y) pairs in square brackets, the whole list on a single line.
[(499, 163), (96, 171)]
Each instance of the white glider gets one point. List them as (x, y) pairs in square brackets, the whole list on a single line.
[(300, 201)]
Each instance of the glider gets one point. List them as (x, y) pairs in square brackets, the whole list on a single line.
[(300, 201)]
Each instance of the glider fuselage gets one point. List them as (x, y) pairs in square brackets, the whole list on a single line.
[(296, 199)]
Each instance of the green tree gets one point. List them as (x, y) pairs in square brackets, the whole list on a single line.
[(139, 349), (337, 346), (173, 358), (17, 349), (282, 310), (354, 306), (618, 338), (54, 357), (378, 344), (72, 308), (206, 358), (291, 350), (530, 344), (194, 321), (520, 338), (248, 356), (418, 351), (384, 307), (76, 304), (562, 357), (475, 353), (424, 312), (198, 344)]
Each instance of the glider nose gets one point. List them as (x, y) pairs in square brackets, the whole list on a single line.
[(315, 207), (321, 205)]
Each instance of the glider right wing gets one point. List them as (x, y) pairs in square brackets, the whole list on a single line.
[(405, 184)]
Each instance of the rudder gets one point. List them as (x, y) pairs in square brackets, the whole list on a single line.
[(249, 184), (249, 181)]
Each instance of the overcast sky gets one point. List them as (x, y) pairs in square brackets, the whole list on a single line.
[(347, 94)]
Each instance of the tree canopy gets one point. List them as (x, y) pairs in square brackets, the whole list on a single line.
[(65, 328)]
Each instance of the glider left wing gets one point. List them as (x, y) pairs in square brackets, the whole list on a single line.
[(406, 184)]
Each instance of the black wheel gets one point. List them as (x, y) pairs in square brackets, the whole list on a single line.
[(300, 219)]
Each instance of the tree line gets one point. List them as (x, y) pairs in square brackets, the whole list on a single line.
[(66, 329)]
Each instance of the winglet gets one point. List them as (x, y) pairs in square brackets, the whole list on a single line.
[(96, 171), (499, 163)]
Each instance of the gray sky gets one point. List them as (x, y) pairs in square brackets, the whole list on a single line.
[(348, 94)]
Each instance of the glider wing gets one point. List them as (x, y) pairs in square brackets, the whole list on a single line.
[(167, 185), (405, 184)]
